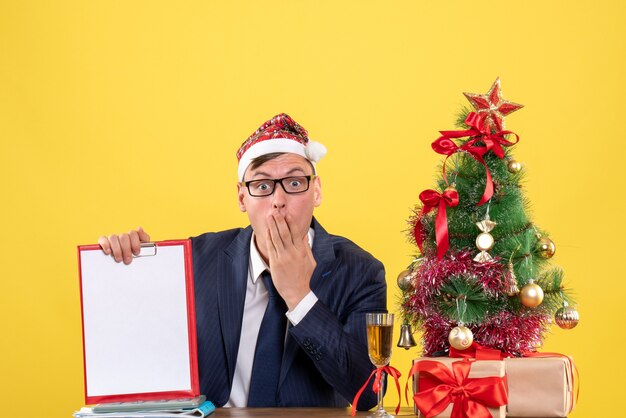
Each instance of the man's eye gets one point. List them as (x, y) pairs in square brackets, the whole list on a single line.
[(262, 186), (295, 183)]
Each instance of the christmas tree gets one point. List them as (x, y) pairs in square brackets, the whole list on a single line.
[(482, 272)]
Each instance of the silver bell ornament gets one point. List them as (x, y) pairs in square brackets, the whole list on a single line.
[(406, 340)]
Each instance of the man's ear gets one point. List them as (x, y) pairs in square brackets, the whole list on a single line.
[(317, 191), (241, 190)]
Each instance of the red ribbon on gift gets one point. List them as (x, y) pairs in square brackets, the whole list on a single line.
[(480, 352), (470, 396), (480, 132), (378, 385), (477, 351), (432, 199)]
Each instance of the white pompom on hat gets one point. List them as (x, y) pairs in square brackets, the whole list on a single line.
[(279, 134)]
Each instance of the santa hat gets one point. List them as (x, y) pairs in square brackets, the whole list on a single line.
[(279, 134)]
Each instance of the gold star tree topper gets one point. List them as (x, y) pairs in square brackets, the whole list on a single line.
[(493, 106)]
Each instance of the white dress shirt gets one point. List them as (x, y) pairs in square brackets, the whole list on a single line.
[(253, 311)]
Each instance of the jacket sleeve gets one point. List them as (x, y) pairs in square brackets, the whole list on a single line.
[(333, 332)]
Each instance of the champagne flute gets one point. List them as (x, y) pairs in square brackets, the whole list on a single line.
[(379, 343)]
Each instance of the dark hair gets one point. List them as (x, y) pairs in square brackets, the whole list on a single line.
[(262, 159)]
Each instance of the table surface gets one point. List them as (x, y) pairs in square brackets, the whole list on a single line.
[(300, 412)]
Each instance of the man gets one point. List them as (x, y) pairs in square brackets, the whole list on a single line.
[(280, 304)]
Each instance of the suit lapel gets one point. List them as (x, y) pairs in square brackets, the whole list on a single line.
[(232, 269), (324, 255)]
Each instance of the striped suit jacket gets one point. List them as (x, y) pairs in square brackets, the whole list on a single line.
[(325, 360)]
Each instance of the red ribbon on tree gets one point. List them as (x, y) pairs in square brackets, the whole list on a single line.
[(480, 132), (446, 146), (378, 385), (470, 396), (432, 199)]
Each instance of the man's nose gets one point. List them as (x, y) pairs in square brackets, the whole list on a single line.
[(279, 198)]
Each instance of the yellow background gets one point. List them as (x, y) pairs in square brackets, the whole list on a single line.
[(115, 114)]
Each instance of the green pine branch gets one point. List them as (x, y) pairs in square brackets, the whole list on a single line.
[(554, 293), (464, 300)]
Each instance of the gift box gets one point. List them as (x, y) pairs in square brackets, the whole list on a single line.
[(473, 384), (540, 386)]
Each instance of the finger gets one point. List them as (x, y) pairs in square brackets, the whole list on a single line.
[(306, 246), (135, 243), (283, 229), (302, 241), (104, 244), (305, 242), (274, 235), (115, 247), (127, 253), (309, 250), (271, 249), (143, 235)]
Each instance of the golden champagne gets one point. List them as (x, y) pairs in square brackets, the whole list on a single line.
[(379, 342)]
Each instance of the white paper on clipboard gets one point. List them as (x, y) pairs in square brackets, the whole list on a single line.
[(138, 324)]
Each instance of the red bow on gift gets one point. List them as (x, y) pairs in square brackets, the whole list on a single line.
[(432, 199), (470, 396), (378, 385), (480, 132)]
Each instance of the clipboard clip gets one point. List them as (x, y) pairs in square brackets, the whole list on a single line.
[(148, 249)]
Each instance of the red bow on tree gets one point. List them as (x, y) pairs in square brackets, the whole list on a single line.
[(470, 396), (480, 132), (432, 199)]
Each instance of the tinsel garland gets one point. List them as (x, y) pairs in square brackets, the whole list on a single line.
[(433, 273), (513, 333)]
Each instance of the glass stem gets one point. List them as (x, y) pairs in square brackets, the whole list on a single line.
[(381, 393)]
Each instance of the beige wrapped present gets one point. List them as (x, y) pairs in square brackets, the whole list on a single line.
[(479, 369), (540, 386)]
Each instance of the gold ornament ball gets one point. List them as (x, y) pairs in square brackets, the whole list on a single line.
[(404, 280), (450, 189), (546, 247), (566, 317), (514, 166), (531, 295), (461, 337)]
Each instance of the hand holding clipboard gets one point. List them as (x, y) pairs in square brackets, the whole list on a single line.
[(123, 247)]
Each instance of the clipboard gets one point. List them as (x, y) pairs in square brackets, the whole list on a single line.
[(139, 324)]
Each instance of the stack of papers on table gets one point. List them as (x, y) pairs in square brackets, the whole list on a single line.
[(202, 411)]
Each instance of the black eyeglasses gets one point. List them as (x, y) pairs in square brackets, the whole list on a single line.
[(266, 187)]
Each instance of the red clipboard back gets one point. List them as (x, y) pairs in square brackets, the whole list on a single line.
[(139, 324)]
